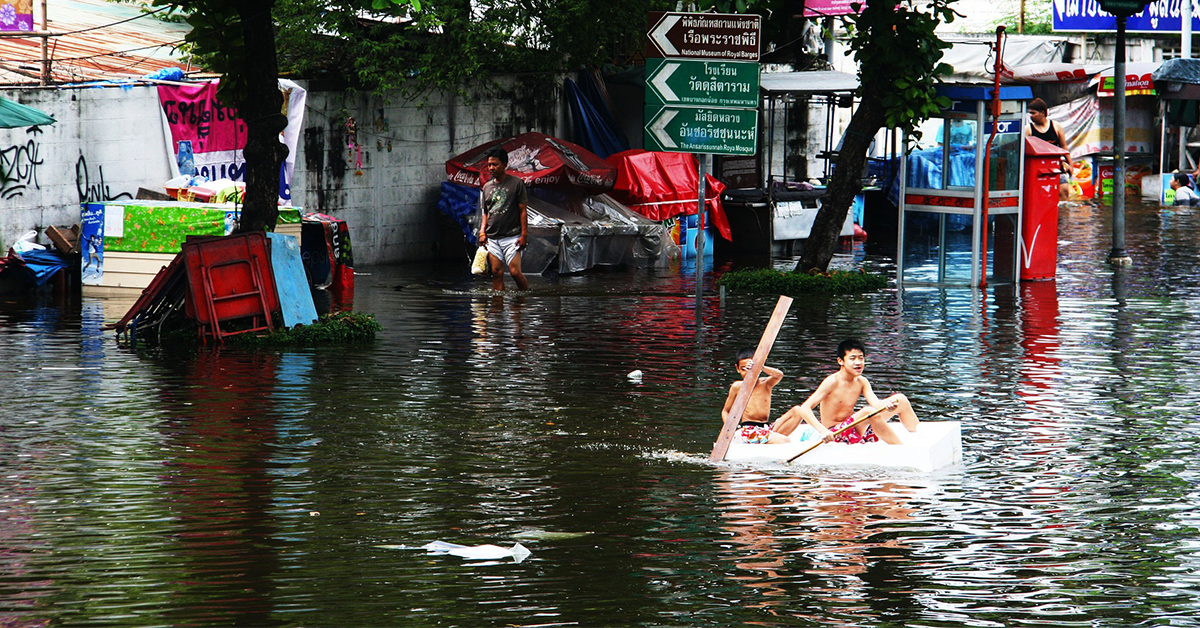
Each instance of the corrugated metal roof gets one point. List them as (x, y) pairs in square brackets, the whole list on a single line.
[(118, 41)]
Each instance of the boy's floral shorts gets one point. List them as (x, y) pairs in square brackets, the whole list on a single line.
[(754, 434)]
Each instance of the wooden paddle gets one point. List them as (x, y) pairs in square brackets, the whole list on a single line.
[(838, 431), (743, 398)]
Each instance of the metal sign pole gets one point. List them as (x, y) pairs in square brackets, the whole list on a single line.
[(702, 169), (1118, 255)]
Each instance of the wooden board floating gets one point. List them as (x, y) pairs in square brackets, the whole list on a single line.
[(750, 379), (935, 445)]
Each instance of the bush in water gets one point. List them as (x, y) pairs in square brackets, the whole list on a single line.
[(792, 283)]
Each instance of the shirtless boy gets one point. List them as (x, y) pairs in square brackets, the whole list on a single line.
[(836, 397), (755, 426)]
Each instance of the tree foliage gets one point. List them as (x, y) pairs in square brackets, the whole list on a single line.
[(1039, 19), (899, 67), (447, 44)]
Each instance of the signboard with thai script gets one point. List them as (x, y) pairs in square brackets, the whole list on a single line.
[(704, 36), (701, 130), (831, 8), (1088, 16), (16, 15), (701, 83), (208, 137)]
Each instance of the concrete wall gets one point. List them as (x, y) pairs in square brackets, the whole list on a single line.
[(390, 201), (111, 141), (107, 143)]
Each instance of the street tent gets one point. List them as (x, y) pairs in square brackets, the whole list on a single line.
[(661, 185), (15, 115), (540, 160)]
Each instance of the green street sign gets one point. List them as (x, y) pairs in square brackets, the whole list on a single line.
[(702, 83), (701, 130)]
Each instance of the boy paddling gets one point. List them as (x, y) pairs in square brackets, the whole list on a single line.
[(837, 396)]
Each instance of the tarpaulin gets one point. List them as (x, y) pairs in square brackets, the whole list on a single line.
[(660, 185), (592, 119), (460, 202), (539, 160), (1088, 124), (602, 233), (40, 264)]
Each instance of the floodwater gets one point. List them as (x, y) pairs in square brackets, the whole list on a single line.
[(283, 488)]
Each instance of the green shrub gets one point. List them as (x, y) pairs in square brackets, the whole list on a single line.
[(339, 327), (772, 281)]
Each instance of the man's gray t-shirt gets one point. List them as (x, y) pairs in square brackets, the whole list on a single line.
[(502, 201)]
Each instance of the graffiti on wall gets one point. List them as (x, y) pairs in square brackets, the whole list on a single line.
[(19, 166), (94, 191)]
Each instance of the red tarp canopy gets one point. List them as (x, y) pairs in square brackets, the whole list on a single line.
[(660, 186), (538, 159)]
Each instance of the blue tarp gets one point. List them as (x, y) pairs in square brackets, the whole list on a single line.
[(43, 264), (460, 202), (925, 168), (594, 125)]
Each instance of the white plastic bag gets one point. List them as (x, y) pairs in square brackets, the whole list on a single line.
[(26, 243), (479, 264)]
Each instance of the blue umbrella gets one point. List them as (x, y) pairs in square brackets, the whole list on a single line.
[(14, 115)]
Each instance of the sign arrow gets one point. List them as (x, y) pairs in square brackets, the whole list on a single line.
[(659, 35), (660, 81), (658, 128)]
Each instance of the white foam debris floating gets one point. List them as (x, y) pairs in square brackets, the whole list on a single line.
[(935, 445)]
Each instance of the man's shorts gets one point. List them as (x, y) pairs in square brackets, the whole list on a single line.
[(1064, 178), (753, 433), (504, 248), (851, 436)]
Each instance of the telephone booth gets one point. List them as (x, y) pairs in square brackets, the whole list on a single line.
[(941, 226)]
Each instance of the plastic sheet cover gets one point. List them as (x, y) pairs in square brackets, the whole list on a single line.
[(603, 232), (661, 185), (607, 234)]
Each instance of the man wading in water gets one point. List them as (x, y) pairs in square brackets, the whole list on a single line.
[(505, 222)]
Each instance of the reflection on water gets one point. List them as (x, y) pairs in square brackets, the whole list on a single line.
[(256, 488)]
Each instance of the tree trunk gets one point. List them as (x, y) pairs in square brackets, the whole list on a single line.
[(263, 112), (845, 183)]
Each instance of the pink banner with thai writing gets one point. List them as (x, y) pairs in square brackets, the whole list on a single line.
[(830, 8), (204, 129), (16, 15), (208, 137)]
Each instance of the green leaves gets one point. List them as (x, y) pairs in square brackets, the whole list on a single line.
[(770, 281), (899, 54)]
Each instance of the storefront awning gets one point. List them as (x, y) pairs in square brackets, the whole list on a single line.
[(15, 115), (817, 82)]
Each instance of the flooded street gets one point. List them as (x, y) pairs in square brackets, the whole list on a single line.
[(284, 488)]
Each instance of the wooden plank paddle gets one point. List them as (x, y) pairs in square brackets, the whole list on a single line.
[(743, 398), (839, 431)]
